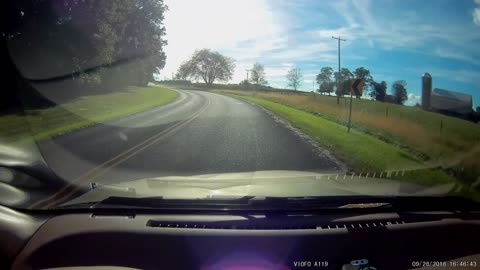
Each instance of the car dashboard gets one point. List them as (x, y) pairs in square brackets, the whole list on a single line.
[(133, 240)]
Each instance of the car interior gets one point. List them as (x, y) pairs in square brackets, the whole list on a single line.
[(234, 233), (388, 239)]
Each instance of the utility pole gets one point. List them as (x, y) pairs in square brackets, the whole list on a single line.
[(338, 81), (247, 70)]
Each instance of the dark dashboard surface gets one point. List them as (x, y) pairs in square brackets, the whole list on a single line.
[(148, 241)]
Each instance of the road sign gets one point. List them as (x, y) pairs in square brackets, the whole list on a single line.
[(357, 87)]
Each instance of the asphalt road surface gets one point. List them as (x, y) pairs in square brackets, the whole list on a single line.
[(198, 133)]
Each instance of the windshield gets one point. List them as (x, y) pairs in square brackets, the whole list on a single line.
[(197, 99)]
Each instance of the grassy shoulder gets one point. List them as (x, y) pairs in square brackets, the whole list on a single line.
[(355, 149), (433, 134), (87, 110), (436, 139), (361, 152)]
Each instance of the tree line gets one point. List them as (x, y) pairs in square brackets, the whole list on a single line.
[(211, 66), (339, 83), (104, 43)]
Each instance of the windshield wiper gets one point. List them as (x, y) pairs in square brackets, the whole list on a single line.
[(286, 204)]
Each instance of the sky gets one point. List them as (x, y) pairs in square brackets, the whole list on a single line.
[(395, 40)]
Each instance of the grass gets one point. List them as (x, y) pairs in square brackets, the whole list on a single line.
[(81, 112), (405, 125), (363, 150), (346, 147), (435, 139)]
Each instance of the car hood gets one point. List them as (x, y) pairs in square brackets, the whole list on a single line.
[(260, 183)]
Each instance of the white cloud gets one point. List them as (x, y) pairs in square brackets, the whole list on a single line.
[(476, 16), (408, 31), (465, 76), (289, 65), (477, 2), (241, 71), (455, 54), (250, 31), (389, 33), (314, 51), (273, 72), (218, 25), (328, 33), (413, 99)]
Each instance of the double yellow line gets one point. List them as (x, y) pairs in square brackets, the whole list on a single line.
[(65, 193)]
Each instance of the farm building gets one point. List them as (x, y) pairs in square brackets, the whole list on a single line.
[(445, 101), (451, 102), (390, 99)]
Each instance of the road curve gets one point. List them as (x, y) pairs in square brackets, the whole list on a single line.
[(198, 133)]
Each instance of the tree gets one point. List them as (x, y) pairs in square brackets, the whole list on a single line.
[(295, 78), (364, 74), (245, 84), (399, 91), (324, 80), (186, 71), (379, 90), (343, 79), (131, 32), (207, 65), (258, 75), (146, 44)]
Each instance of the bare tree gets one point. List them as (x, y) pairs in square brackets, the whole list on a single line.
[(295, 78), (258, 75)]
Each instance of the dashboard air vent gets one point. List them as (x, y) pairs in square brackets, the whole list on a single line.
[(242, 225)]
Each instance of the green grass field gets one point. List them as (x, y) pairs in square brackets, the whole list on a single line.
[(407, 138), (81, 112)]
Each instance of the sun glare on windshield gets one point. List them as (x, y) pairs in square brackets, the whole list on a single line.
[(155, 98)]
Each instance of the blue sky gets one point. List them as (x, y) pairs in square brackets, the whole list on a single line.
[(395, 40)]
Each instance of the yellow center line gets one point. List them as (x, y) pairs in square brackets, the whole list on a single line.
[(97, 172), (92, 171)]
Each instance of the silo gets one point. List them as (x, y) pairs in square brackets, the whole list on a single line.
[(426, 90)]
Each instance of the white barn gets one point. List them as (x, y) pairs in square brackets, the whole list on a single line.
[(451, 102)]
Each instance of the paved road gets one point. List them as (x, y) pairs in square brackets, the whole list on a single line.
[(199, 133)]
